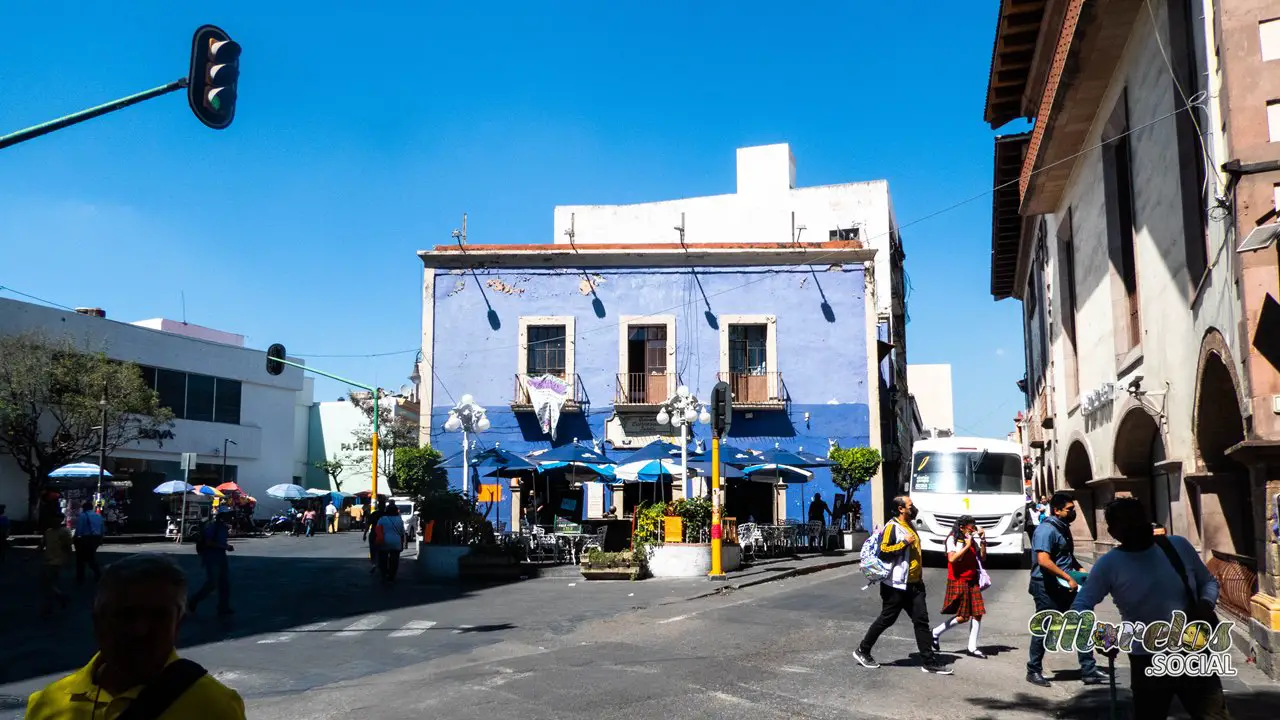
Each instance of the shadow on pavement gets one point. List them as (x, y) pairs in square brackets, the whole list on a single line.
[(1095, 703), (269, 593)]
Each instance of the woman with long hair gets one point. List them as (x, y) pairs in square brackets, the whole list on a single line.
[(966, 548)]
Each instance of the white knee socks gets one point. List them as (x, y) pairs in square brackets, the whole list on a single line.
[(950, 623), (974, 625)]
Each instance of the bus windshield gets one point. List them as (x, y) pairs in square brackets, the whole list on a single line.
[(967, 472)]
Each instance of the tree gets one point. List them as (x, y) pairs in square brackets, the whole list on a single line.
[(333, 470), (396, 430), (51, 397), (854, 467), (419, 473)]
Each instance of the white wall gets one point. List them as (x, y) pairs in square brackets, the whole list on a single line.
[(931, 387), (759, 212), (301, 422), (264, 452), (338, 420)]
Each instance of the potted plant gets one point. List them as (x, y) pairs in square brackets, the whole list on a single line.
[(854, 467)]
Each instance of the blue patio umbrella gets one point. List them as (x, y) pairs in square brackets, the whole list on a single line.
[(78, 470), (287, 491), (503, 464), (795, 465), (172, 487)]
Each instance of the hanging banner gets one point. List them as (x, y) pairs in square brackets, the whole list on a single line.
[(547, 394)]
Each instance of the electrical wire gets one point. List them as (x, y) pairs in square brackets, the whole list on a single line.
[(37, 299)]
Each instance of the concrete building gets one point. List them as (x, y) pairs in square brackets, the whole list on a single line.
[(931, 388), (332, 435), (218, 389), (777, 290), (1116, 223)]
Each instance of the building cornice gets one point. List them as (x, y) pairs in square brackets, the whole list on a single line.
[(596, 255)]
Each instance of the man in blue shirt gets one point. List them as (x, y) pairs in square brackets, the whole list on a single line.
[(87, 541), (1146, 587), (1053, 588), (217, 571)]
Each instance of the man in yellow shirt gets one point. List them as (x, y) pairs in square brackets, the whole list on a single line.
[(136, 614), (902, 590)]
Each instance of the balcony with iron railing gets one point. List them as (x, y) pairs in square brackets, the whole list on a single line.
[(757, 390), (1237, 578), (643, 390), (577, 401)]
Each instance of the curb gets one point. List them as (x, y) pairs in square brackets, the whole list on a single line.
[(797, 572), (33, 541)]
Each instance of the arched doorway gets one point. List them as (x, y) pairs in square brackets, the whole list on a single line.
[(1226, 522), (1078, 471), (1139, 451)]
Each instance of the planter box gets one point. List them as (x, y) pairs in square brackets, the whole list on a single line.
[(610, 573), (441, 561), (674, 560)]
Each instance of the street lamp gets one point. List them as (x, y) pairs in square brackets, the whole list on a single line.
[(223, 476), (468, 417), (682, 410)]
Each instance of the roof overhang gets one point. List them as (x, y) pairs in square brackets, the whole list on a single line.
[(1006, 214), (1089, 47), (1014, 59), (583, 256)]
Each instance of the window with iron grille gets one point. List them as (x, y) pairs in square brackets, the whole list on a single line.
[(546, 350), (748, 345)]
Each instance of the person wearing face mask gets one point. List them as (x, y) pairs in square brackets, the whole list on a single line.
[(1147, 586), (902, 590), (1053, 587)]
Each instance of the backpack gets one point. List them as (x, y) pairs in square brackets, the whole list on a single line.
[(874, 569)]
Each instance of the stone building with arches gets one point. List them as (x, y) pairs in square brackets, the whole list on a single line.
[(1117, 221)]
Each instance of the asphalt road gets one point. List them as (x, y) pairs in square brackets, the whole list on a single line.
[(315, 637)]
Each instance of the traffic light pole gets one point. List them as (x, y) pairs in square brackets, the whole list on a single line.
[(717, 531), (373, 391), (76, 118)]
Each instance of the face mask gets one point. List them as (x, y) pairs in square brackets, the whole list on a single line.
[(1070, 517), (913, 512)]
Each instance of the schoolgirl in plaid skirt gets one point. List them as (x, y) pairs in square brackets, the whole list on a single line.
[(966, 547)]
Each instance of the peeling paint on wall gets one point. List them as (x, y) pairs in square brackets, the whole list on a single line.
[(497, 285), (458, 287)]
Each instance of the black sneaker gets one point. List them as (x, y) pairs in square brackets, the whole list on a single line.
[(933, 668), (865, 660)]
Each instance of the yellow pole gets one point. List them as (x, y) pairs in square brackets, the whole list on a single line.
[(717, 532), (373, 496)]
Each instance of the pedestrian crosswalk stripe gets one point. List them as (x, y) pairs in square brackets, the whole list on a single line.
[(362, 625), (291, 633), (413, 627)]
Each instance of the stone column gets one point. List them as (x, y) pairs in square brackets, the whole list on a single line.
[(1264, 624), (516, 516)]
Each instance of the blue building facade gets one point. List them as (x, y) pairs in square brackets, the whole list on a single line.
[(788, 326)]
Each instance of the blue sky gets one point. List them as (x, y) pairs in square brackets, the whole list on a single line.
[(361, 137)]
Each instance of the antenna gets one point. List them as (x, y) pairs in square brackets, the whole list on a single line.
[(680, 228), (570, 232), (183, 293), (461, 235)]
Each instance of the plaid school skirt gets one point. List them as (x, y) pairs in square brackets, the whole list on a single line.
[(963, 599)]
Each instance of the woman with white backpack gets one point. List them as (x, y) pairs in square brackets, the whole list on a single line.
[(966, 579)]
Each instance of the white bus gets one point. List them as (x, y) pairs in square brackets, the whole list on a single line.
[(957, 476)]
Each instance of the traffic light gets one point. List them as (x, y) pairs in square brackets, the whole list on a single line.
[(215, 68), (721, 408), (275, 354)]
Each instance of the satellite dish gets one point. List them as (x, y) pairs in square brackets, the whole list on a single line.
[(406, 390)]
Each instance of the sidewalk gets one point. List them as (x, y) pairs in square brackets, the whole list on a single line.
[(771, 569)]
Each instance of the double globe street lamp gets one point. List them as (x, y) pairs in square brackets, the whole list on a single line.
[(682, 410), (469, 417)]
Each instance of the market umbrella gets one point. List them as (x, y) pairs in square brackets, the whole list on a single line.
[(79, 470), (287, 491), (229, 487), (206, 490), (317, 492), (172, 487), (503, 463), (794, 465)]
